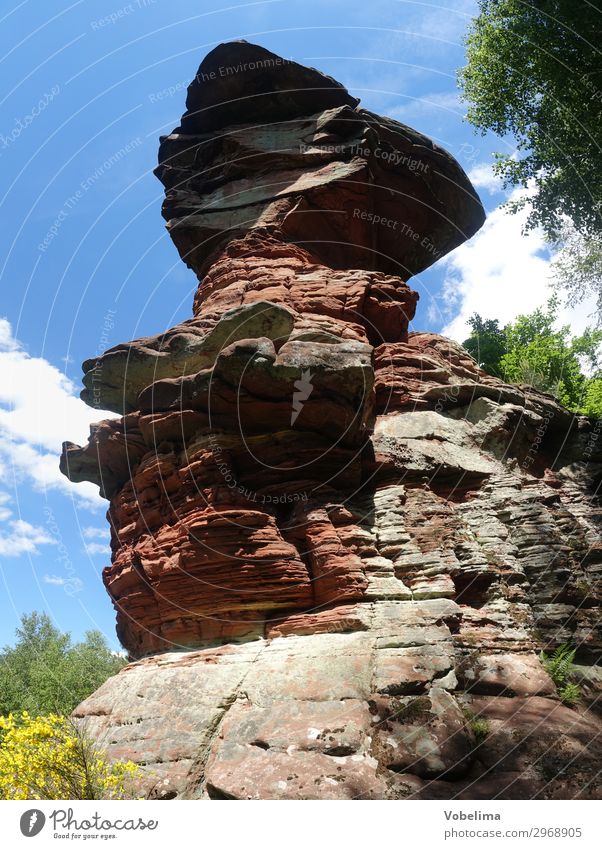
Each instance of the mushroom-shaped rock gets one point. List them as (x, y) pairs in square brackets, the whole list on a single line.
[(269, 145)]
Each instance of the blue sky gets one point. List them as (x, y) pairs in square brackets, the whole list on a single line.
[(85, 262)]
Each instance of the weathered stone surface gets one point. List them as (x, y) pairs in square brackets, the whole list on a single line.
[(295, 750), (253, 389), (337, 547), (506, 675), (535, 748), (296, 719), (429, 736), (324, 154), (347, 303), (402, 671), (238, 82), (115, 380), (115, 448)]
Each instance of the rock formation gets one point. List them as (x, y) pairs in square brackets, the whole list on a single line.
[(338, 547)]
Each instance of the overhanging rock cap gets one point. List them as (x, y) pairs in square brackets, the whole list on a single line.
[(238, 82), (269, 144)]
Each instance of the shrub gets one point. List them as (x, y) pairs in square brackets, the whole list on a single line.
[(50, 758)]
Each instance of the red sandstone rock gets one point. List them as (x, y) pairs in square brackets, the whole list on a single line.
[(334, 544)]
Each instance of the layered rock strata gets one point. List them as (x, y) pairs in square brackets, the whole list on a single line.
[(338, 546)]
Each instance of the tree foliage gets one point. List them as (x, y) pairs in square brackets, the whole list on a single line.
[(534, 71), (44, 672), (577, 266), (47, 757), (533, 351), (486, 343)]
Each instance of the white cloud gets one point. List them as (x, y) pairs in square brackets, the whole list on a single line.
[(20, 537), (92, 548), (55, 580), (17, 536), (5, 512), (7, 341), (73, 585), (435, 103), (442, 24), (95, 533), (482, 177), (502, 273), (97, 548), (39, 408)]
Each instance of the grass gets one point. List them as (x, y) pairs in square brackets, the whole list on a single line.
[(479, 726)]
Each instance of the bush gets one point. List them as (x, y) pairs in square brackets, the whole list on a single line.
[(50, 758)]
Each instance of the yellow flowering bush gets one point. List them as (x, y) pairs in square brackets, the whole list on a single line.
[(48, 757)]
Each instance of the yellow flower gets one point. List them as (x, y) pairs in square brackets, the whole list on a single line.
[(48, 758)]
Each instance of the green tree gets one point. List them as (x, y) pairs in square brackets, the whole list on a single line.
[(532, 351), (535, 72), (577, 266), (44, 672), (549, 359), (486, 343), (591, 404)]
